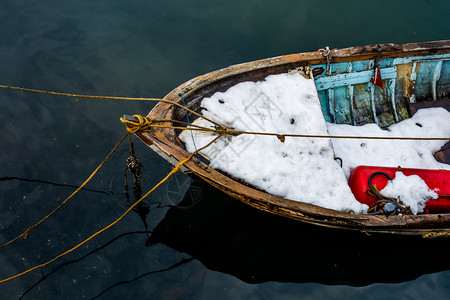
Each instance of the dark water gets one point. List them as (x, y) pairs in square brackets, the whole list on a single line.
[(219, 248)]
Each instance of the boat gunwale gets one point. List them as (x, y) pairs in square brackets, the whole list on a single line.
[(388, 50), (167, 141)]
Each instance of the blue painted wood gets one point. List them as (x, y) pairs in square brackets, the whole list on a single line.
[(348, 97), (320, 67), (338, 68), (342, 106), (429, 76), (436, 77), (331, 106), (443, 84), (344, 79), (408, 59), (324, 104), (391, 96), (362, 65), (385, 62)]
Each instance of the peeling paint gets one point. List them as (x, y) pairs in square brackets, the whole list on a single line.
[(350, 98)]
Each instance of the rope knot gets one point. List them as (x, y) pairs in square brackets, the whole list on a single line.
[(135, 123)]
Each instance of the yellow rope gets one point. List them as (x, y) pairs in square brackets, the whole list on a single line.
[(222, 129), (142, 123), (26, 232), (77, 95), (109, 98), (145, 123), (436, 234), (174, 170)]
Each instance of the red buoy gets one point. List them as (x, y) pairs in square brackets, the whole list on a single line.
[(437, 180)]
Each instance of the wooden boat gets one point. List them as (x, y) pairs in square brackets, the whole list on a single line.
[(413, 75)]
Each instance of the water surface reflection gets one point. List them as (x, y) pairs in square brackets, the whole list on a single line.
[(230, 237)]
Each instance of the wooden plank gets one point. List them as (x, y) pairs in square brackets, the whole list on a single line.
[(328, 82)]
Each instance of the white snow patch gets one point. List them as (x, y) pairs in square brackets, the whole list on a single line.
[(301, 169), (412, 190), (304, 169), (431, 122)]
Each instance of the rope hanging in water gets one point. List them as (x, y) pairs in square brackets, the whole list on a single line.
[(133, 165), (26, 232), (174, 170)]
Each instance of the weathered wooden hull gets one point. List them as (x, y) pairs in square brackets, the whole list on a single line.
[(412, 73)]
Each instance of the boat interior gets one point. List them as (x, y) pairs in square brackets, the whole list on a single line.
[(347, 95)]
